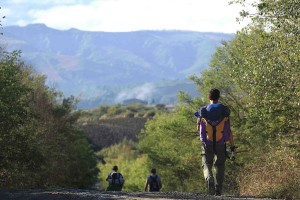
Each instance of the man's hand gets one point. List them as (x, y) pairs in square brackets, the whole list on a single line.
[(232, 149)]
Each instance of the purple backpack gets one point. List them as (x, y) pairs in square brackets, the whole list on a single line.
[(210, 131)]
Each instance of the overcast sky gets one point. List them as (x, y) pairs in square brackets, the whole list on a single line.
[(124, 15)]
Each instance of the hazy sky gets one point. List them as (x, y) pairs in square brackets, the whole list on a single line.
[(124, 15)]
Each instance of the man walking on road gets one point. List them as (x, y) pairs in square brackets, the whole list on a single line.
[(153, 182), (115, 180), (214, 129)]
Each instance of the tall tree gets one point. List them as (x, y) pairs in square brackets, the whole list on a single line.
[(18, 153), (41, 145)]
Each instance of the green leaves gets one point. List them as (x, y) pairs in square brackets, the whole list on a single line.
[(172, 145), (40, 144), (13, 111)]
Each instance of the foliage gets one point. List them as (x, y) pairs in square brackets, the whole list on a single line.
[(171, 143), (71, 150), (18, 148), (104, 112), (40, 144), (270, 80), (131, 163), (277, 16), (265, 65)]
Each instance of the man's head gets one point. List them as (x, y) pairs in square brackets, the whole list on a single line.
[(153, 171), (115, 168), (214, 94)]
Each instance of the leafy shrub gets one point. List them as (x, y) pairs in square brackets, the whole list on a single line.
[(41, 146)]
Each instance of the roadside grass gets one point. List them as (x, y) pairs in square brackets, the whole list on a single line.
[(275, 174)]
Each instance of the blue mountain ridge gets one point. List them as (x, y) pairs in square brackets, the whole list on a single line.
[(108, 67)]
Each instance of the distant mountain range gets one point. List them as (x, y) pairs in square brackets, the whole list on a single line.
[(109, 67)]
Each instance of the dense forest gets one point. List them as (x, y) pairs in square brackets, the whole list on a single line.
[(46, 142)]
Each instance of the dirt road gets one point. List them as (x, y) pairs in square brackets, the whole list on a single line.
[(75, 194)]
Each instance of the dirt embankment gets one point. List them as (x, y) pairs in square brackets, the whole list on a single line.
[(74, 194)]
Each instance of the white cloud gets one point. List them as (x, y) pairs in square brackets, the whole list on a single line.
[(16, 1), (5, 12), (142, 92), (64, 17), (43, 2), (129, 15)]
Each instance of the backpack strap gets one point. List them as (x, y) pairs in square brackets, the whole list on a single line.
[(214, 139), (203, 112), (117, 174), (214, 125), (154, 180)]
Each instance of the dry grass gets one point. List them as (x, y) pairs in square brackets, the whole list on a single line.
[(275, 174)]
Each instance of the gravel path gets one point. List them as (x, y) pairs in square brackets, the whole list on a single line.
[(95, 194)]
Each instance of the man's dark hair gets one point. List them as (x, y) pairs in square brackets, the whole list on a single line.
[(115, 168), (153, 171), (214, 94)]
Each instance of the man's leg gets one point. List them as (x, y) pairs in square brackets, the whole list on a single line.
[(220, 168), (207, 164)]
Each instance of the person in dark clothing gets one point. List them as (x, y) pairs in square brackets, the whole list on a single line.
[(153, 182), (115, 180)]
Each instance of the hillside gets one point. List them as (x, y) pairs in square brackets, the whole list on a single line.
[(113, 131), (97, 66), (110, 125)]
